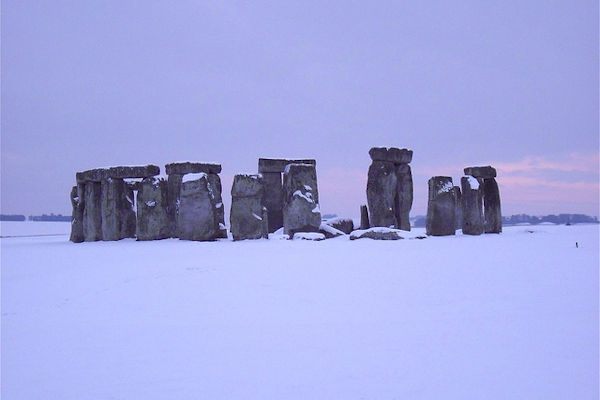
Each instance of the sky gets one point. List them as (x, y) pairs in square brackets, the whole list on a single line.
[(512, 84)]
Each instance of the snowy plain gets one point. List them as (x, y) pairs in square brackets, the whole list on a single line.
[(509, 316)]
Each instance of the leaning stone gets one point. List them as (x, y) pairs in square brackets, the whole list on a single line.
[(364, 217), (183, 168), (152, 218), (197, 218), (381, 194), (481, 172), (376, 233), (345, 225), (301, 202), (92, 212), (278, 164), (404, 196), (458, 206), (441, 217), (77, 193), (273, 199), (472, 206), (329, 231), (215, 186), (247, 217), (491, 206)]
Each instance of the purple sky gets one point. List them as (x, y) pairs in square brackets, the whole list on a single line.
[(513, 84)]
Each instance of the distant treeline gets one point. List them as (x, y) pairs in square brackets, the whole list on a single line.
[(11, 217), (43, 217), (420, 220)]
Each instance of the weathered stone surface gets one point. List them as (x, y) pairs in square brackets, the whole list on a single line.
[(117, 210), (301, 199), (197, 218), (441, 218), (183, 168), (273, 199), (174, 182), (492, 214), (278, 164), (376, 233), (404, 196), (392, 154), (247, 217), (472, 206), (346, 225), (458, 214), (152, 218), (314, 236), (77, 194), (100, 174), (92, 212), (381, 193), (329, 231), (215, 186), (364, 217), (481, 172)]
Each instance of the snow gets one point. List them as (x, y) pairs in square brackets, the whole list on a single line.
[(505, 316), (473, 182), (193, 177), (308, 236), (447, 187), (258, 217), (151, 203), (330, 229), (307, 196)]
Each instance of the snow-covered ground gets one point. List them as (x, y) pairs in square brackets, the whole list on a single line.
[(510, 316)]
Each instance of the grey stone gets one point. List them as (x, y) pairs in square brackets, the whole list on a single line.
[(77, 194), (381, 193), (376, 234), (364, 217), (116, 210), (481, 172), (301, 199), (273, 199), (152, 217), (329, 231), (404, 196), (345, 225), (216, 188), (197, 218), (174, 182), (100, 174), (392, 154), (92, 212), (128, 221), (492, 214), (458, 214), (313, 236), (472, 206), (441, 208), (247, 218), (278, 164), (183, 168)]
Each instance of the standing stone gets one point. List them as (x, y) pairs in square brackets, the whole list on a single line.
[(77, 193), (115, 208), (174, 182), (441, 218), (404, 196), (364, 217), (472, 206), (491, 206), (273, 199), (247, 217), (128, 217), (458, 203), (301, 199), (197, 218), (215, 185), (92, 212), (381, 193), (152, 217)]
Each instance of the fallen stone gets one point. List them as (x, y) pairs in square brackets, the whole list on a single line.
[(77, 193), (92, 212), (278, 165), (183, 168), (441, 208), (481, 172), (329, 231), (152, 217), (377, 233), (314, 236), (197, 217), (381, 194), (472, 206), (247, 217), (345, 225)]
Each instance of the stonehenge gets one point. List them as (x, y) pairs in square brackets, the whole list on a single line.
[(389, 188), (115, 203)]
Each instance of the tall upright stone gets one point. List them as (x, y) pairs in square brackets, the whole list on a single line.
[(364, 217), (215, 184), (492, 215), (301, 199), (118, 217), (472, 206), (248, 217), (404, 196), (152, 216), (441, 207), (92, 212), (197, 218), (458, 206), (174, 182), (77, 195)]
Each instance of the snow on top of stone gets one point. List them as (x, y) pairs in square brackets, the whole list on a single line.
[(308, 188), (446, 188), (307, 196), (473, 182), (330, 229), (193, 177), (316, 210), (258, 217), (308, 236)]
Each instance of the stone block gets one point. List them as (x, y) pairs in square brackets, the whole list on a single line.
[(278, 165), (481, 172), (92, 212), (77, 195), (182, 168), (381, 194), (152, 218), (197, 217), (441, 207), (472, 206)]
